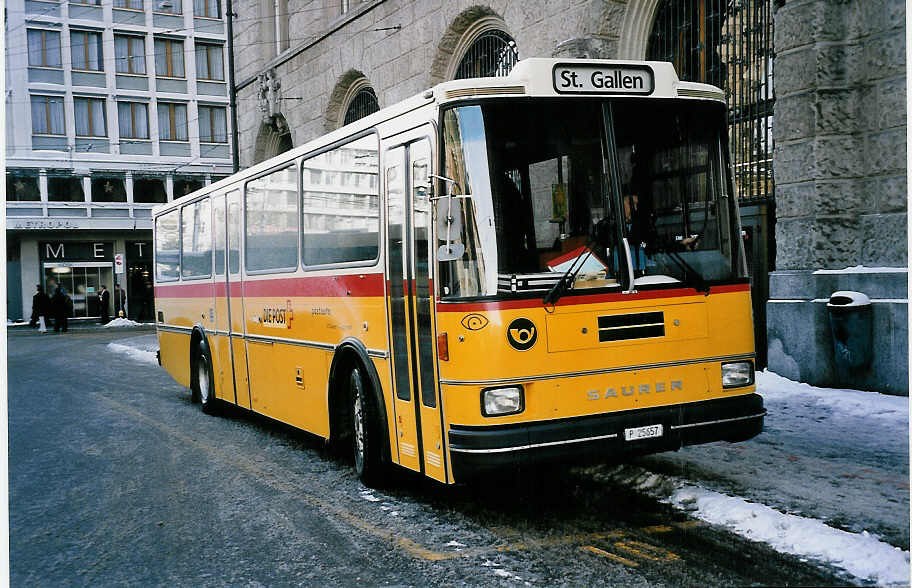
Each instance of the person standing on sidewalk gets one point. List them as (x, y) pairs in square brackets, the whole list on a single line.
[(61, 305), (104, 298), (41, 309)]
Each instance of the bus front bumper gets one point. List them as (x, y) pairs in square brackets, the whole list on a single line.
[(477, 450)]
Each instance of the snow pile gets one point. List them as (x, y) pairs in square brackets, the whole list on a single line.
[(141, 355), (861, 555), (122, 322), (887, 411)]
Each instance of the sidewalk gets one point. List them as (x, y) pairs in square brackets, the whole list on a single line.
[(81, 324)]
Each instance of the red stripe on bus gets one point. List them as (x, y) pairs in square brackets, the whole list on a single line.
[(358, 285), (579, 300)]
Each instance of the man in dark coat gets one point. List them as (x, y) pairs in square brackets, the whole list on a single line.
[(104, 298), (41, 308), (61, 305)]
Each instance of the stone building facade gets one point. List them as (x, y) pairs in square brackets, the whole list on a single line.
[(840, 129), (841, 191)]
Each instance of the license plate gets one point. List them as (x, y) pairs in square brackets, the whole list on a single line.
[(647, 432)]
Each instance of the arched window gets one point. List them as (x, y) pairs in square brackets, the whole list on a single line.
[(363, 104), (492, 54), (730, 45)]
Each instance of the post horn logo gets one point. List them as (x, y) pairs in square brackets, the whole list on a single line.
[(474, 322), (521, 334)]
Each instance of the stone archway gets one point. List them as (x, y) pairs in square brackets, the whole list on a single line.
[(458, 37), (348, 86), (273, 138), (633, 35)]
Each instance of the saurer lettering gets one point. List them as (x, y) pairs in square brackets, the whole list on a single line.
[(636, 389)]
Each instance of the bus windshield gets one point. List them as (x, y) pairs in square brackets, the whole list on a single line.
[(595, 188)]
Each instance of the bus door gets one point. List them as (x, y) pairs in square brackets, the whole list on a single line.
[(236, 302), (417, 410), (220, 337)]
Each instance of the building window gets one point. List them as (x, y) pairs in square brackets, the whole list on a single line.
[(209, 63), (108, 189), (184, 185), (169, 58), (728, 45), (90, 117), (212, 124), (22, 186), (47, 115), (92, 2), (133, 120), (43, 48), (86, 50), (169, 6), (130, 54), (207, 8), (172, 121), (149, 191), (363, 104), (129, 4), (65, 189), (492, 54)]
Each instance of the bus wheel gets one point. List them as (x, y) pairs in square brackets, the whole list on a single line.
[(364, 431), (203, 391)]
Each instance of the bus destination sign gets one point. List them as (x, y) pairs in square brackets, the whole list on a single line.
[(575, 78)]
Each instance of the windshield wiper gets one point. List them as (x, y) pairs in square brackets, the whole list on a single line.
[(562, 285)]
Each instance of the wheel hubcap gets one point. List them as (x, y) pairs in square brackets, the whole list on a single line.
[(203, 379), (358, 414)]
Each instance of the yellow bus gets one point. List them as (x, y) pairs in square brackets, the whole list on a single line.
[(497, 272)]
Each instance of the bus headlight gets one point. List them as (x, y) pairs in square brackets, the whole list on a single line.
[(502, 401), (737, 373)]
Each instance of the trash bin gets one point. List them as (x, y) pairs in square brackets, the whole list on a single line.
[(851, 324)]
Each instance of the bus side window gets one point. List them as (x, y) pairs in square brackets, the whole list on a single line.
[(234, 232), (218, 216)]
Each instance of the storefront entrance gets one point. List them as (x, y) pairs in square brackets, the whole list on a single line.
[(82, 281)]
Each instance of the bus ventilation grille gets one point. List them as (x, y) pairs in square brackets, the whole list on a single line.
[(692, 93), (642, 325), (468, 92)]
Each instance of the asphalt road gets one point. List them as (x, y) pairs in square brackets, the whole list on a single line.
[(116, 478)]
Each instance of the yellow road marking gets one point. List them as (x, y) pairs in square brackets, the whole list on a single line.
[(610, 556), (646, 551)]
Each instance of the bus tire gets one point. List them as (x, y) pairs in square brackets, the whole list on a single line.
[(366, 438), (202, 380)]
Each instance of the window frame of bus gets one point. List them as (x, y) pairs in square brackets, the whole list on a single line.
[(380, 204), (196, 202), (293, 163), (158, 277)]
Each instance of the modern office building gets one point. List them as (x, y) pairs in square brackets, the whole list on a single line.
[(111, 108)]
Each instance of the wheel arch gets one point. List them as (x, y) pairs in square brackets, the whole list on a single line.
[(352, 353)]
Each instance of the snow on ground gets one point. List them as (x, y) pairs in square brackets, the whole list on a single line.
[(827, 479), (142, 348), (121, 322), (861, 555)]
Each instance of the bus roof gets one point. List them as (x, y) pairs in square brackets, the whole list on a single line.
[(535, 77)]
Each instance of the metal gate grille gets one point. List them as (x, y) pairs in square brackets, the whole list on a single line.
[(363, 104), (492, 54), (728, 43)]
